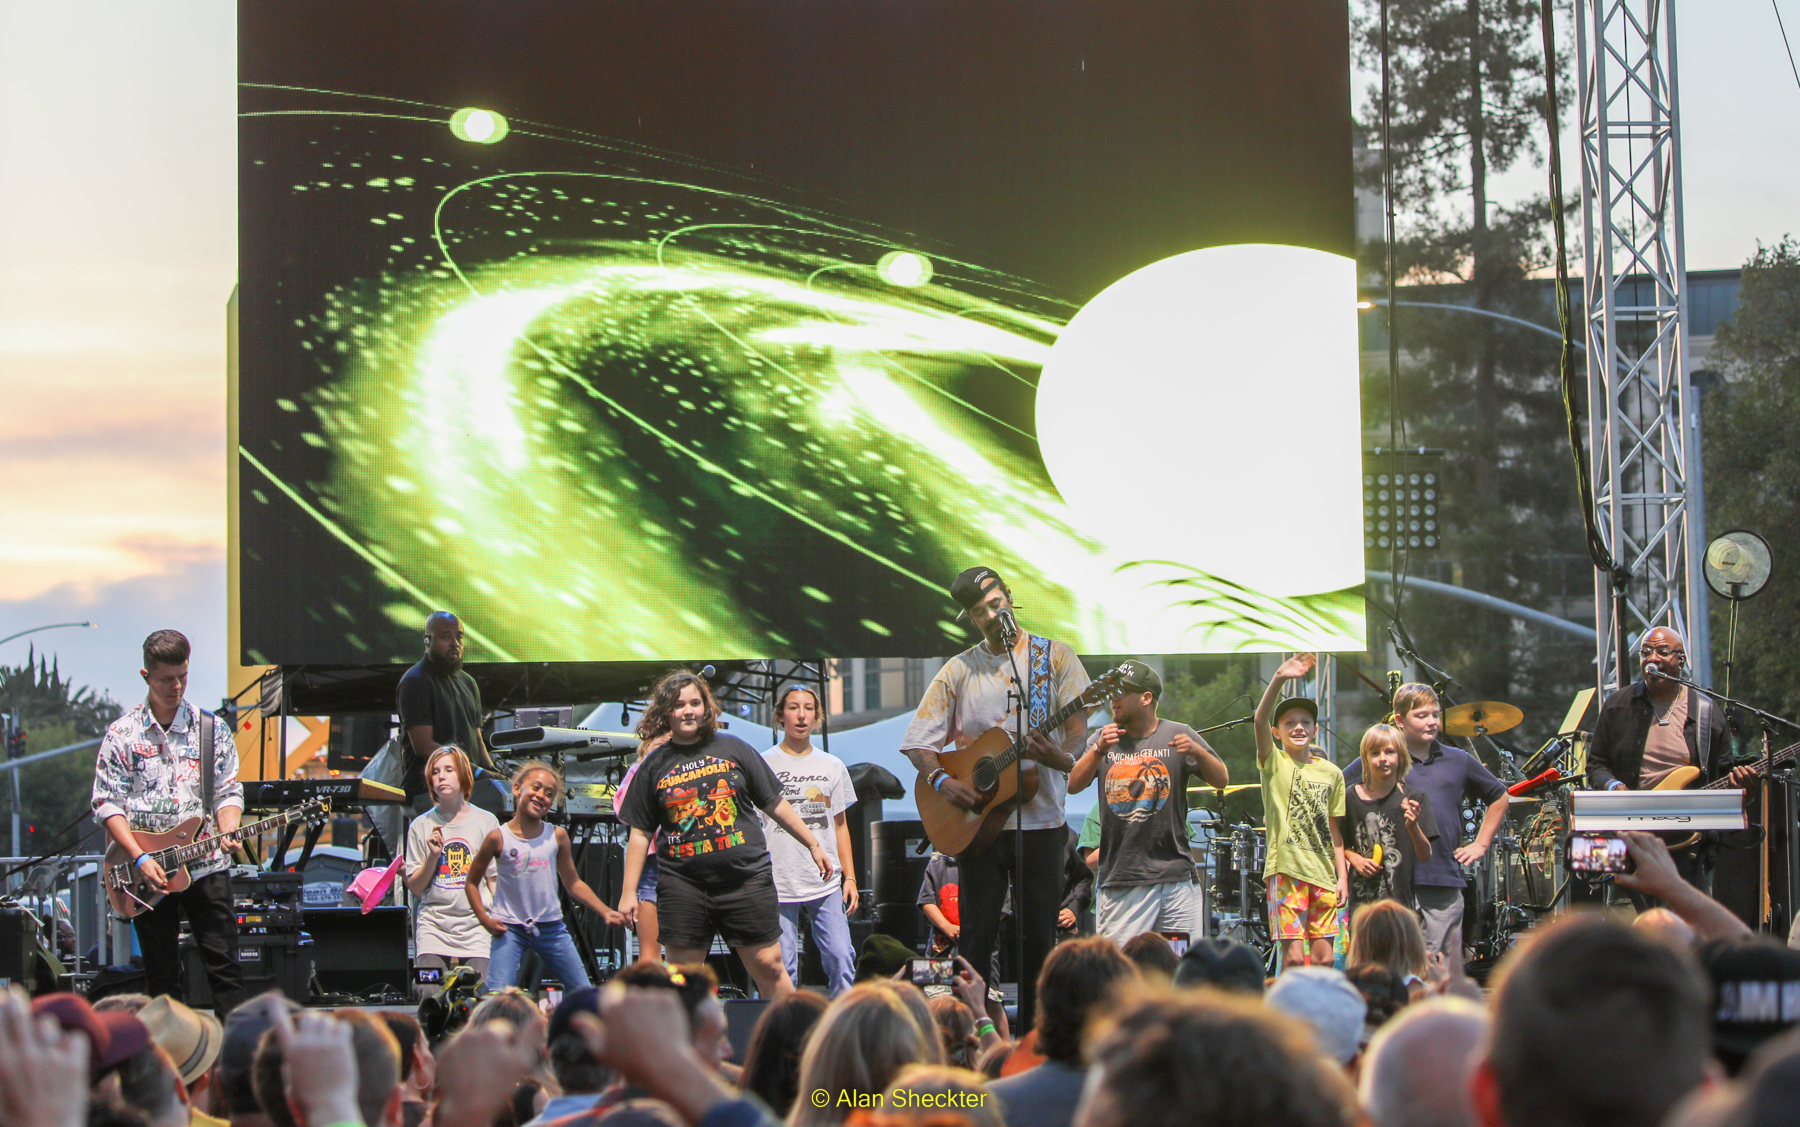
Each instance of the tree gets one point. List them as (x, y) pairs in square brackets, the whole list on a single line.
[(1467, 77), (52, 712), (1753, 471)]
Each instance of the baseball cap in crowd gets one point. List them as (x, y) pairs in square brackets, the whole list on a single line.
[(1224, 963), (191, 1039), (882, 957), (1140, 678), (972, 586), (244, 1028), (1324, 999), (582, 999), (1309, 705), (1756, 995), (113, 1037)]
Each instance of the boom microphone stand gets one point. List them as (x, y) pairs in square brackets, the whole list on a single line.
[(1009, 637)]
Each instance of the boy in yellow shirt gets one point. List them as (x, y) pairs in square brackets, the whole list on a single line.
[(1303, 798)]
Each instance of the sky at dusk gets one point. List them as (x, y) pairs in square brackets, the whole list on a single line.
[(118, 246)]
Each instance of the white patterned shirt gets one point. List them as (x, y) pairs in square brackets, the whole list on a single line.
[(151, 774)]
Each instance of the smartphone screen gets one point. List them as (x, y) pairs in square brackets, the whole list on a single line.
[(553, 996), (1178, 940), (1598, 853), (931, 972)]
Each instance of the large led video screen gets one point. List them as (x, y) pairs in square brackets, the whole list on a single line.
[(645, 329)]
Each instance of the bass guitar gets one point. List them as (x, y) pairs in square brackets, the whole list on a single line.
[(131, 894), (986, 765), (1681, 778)]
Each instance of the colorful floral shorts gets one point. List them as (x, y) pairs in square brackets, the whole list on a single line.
[(1298, 910)]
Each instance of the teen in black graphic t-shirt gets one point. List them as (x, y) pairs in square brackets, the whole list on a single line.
[(701, 792)]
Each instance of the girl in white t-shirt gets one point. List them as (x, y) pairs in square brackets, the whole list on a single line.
[(440, 843)]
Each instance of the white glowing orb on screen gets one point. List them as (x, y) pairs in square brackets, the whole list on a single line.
[(904, 268), (481, 127), (1204, 410)]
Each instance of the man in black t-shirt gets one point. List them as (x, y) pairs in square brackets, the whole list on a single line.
[(439, 704), (1146, 871)]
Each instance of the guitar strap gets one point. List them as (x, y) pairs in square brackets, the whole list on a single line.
[(208, 733), (1038, 694), (1703, 744)]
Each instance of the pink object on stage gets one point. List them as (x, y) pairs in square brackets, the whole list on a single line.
[(373, 884)]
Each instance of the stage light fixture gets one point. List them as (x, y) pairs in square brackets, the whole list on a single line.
[(904, 268), (477, 126), (1405, 489)]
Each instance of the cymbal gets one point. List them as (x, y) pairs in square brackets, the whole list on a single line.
[(1489, 716)]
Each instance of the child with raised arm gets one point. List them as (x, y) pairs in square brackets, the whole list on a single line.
[(1303, 798), (532, 856), (1387, 826), (440, 844)]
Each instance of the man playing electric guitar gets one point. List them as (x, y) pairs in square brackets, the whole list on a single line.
[(149, 776), (1651, 727), (969, 695)]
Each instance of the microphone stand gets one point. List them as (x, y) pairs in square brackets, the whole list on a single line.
[(1228, 724), (1009, 637)]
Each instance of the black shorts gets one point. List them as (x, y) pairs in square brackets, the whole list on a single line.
[(687, 915)]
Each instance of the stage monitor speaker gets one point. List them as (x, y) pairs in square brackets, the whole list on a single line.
[(355, 739), (741, 1016), (898, 854), (1737, 865), (270, 962), (354, 953)]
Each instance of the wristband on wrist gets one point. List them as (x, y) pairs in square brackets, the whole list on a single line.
[(141, 858), (984, 1027), (937, 778)]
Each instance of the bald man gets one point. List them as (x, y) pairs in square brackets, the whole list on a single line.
[(439, 703), (1652, 726), (1417, 1069)]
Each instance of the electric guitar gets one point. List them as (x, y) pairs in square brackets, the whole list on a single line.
[(131, 894), (986, 764), (1681, 777)]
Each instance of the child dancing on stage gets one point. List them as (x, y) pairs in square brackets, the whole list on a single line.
[(700, 792), (527, 912), (1303, 798)]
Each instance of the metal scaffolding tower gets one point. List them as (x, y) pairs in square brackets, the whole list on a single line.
[(1645, 456)]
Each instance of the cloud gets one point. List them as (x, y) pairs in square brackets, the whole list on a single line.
[(189, 596)]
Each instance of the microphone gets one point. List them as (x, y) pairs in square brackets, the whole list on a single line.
[(1009, 627), (1549, 776), (1656, 672)]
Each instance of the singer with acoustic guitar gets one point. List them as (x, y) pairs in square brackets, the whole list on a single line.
[(150, 775), (972, 693), (1651, 729)]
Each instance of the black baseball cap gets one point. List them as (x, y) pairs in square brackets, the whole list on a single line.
[(1310, 706), (1223, 963), (973, 585), (1756, 995), (1140, 678)]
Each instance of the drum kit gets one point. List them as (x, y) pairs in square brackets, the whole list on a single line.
[(1517, 884)]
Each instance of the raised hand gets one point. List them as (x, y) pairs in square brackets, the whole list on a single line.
[(1297, 666), (318, 1063), (476, 1074), (1409, 808), (43, 1070), (435, 842), (1109, 737)]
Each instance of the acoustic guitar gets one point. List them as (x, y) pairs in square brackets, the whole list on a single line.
[(131, 894), (1682, 777), (986, 765)]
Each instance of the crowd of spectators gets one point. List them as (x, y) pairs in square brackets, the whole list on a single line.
[(1685, 1019)]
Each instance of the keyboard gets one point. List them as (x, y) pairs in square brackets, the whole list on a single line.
[(265, 794)]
